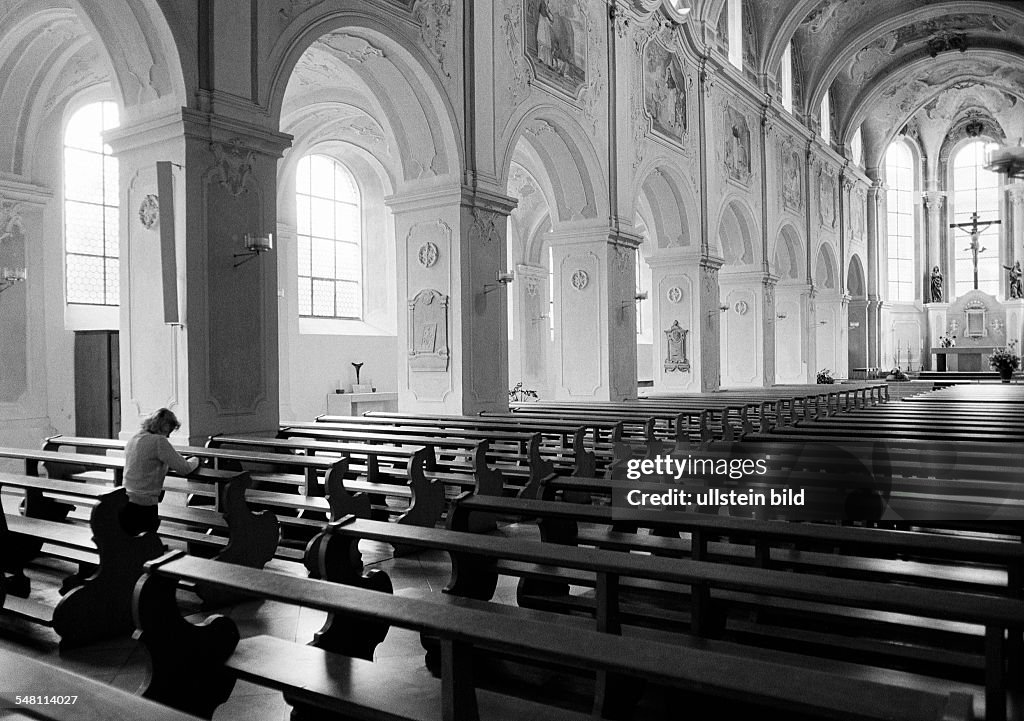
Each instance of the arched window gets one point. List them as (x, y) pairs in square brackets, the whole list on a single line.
[(857, 148), (786, 77), (736, 33), (825, 117), (899, 176), (91, 208), (975, 190), (329, 230)]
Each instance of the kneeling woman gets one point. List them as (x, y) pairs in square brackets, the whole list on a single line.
[(148, 455)]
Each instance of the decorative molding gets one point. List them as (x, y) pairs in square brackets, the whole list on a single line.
[(428, 332), (231, 167), (295, 7), (428, 254), (434, 18), (485, 226), (512, 29), (675, 349), (352, 49), (580, 279), (149, 211), (674, 294), (10, 219)]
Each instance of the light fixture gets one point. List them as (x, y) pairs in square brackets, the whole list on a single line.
[(502, 278), (1008, 160), (854, 324), (723, 308), (254, 245), (641, 295), (11, 277), (780, 316)]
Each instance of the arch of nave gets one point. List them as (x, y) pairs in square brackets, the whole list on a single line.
[(464, 135)]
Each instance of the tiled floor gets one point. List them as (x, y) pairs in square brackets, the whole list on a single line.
[(124, 662)]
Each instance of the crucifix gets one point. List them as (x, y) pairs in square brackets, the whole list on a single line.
[(977, 227)]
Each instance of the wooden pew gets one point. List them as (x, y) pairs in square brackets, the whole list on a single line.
[(42, 690), (424, 503), (207, 659), (246, 538), (836, 592), (98, 607), (463, 474)]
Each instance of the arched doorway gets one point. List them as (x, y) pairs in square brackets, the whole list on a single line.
[(857, 339)]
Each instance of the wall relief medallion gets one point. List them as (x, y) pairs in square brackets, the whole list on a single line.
[(428, 254), (556, 42), (149, 211), (428, 332), (737, 146), (231, 168), (674, 294), (741, 307), (675, 349), (665, 91), (580, 279)]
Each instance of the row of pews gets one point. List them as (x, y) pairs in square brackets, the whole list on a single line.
[(807, 619)]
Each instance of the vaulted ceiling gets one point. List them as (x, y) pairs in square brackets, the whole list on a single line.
[(894, 64)]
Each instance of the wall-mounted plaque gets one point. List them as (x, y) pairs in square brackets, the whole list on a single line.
[(428, 331), (675, 349)]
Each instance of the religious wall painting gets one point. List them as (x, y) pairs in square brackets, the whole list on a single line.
[(676, 359), (428, 336), (859, 199), (556, 42), (792, 183), (736, 146), (665, 91), (826, 198)]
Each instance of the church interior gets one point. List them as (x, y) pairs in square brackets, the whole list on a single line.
[(421, 279)]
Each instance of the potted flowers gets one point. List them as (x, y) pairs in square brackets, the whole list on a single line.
[(1005, 360), (825, 376)]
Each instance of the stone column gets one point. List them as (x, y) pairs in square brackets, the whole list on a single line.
[(217, 366), (791, 332), (676, 318), (876, 221), (24, 307), (935, 228), (1015, 229), (595, 315), (711, 324), (530, 335), (453, 317)]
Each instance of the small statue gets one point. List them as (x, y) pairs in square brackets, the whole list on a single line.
[(936, 285), (1016, 287)]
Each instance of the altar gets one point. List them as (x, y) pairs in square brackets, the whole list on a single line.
[(963, 359)]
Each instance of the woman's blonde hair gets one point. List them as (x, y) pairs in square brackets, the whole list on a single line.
[(161, 421)]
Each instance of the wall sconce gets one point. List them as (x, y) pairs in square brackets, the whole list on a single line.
[(822, 322), (503, 278), (641, 295), (854, 324), (254, 245), (780, 316), (723, 308), (11, 277)]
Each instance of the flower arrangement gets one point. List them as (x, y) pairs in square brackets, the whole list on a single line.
[(1005, 360), (825, 376), (519, 394), (947, 341)]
